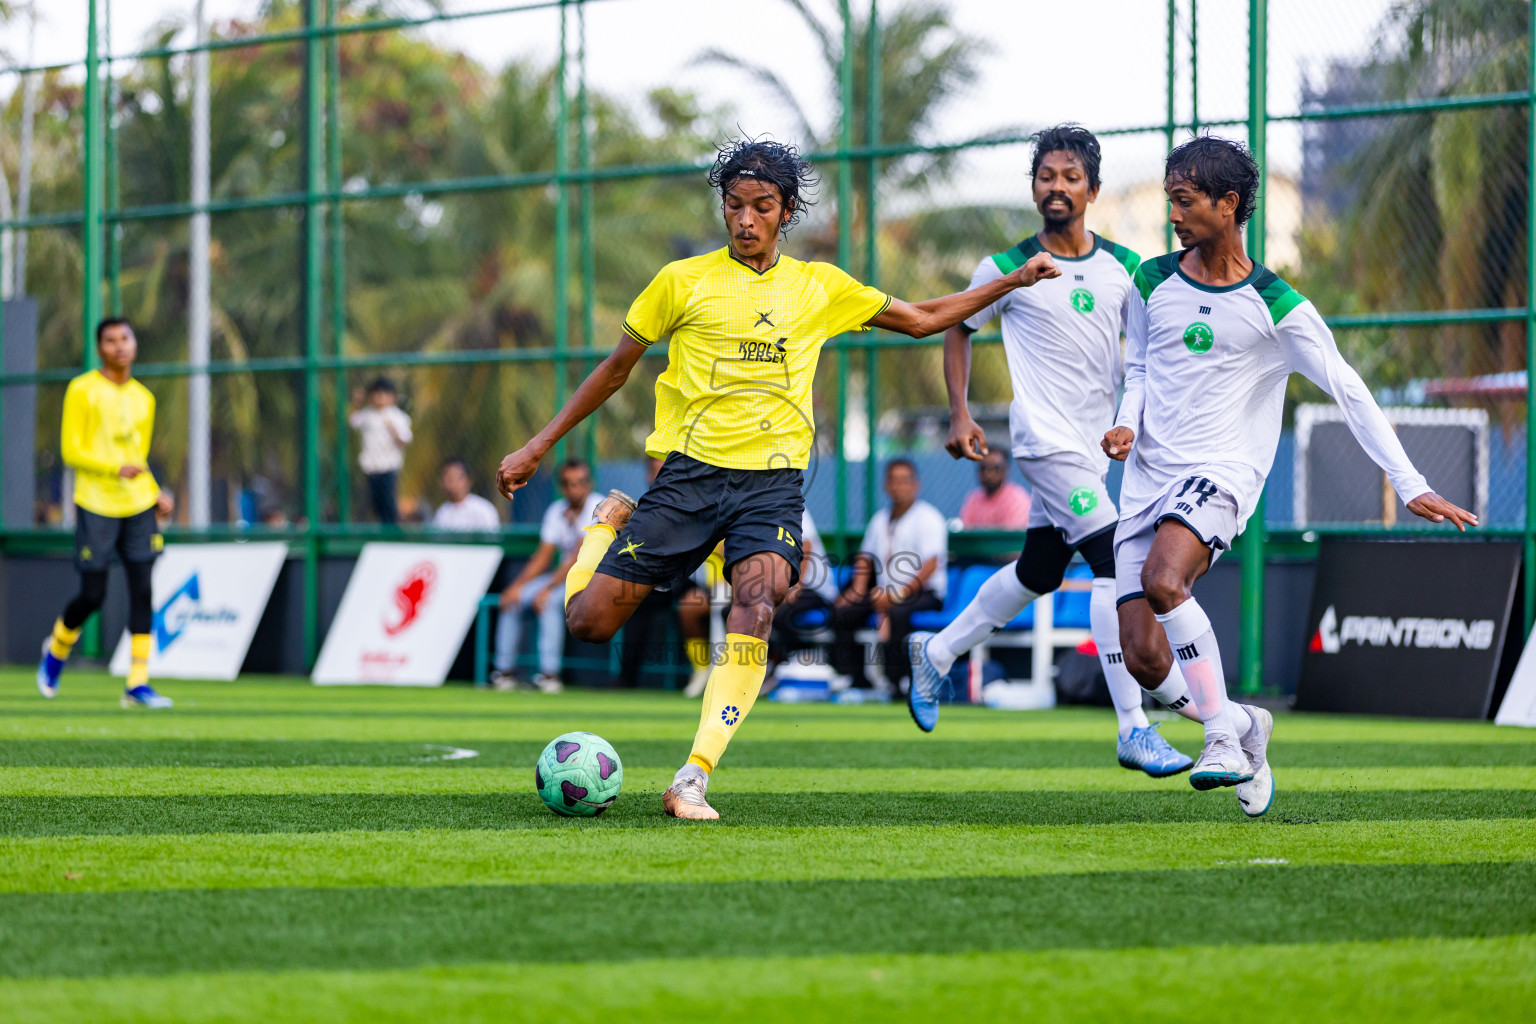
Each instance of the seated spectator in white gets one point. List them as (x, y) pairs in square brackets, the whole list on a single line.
[(901, 568), (999, 503), (464, 509), (795, 622), (540, 585)]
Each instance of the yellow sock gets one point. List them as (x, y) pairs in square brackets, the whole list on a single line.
[(733, 686), (138, 667), (593, 548), (698, 652), (63, 640)]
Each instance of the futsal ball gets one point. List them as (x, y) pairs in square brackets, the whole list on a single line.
[(579, 775)]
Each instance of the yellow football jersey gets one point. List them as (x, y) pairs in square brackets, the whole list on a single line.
[(737, 389), (107, 426)]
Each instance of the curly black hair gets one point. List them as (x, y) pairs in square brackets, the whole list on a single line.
[(772, 163), (1070, 138), (1216, 166)]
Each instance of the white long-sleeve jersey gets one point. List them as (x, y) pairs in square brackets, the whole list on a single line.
[(1205, 376)]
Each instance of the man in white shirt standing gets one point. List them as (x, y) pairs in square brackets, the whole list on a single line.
[(540, 588), (797, 618), (383, 430), (464, 509), (1062, 340), (901, 568), (1210, 345)]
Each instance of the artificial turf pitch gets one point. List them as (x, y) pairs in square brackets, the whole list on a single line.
[(272, 851)]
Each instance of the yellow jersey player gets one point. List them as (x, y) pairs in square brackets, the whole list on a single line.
[(734, 425), (108, 420)]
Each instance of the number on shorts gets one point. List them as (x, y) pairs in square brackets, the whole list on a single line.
[(1201, 486)]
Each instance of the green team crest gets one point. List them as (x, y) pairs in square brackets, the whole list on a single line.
[(1198, 337), (1083, 500), (1082, 300)]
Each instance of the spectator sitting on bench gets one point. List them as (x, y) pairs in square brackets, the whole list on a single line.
[(901, 568)]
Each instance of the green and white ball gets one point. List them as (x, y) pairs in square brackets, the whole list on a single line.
[(579, 775)]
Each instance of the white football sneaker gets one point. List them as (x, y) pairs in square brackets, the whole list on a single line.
[(685, 799), (1221, 763), (1255, 795)]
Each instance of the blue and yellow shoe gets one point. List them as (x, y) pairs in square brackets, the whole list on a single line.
[(1146, 750), (923, 693), (143, 696), (49, 669)]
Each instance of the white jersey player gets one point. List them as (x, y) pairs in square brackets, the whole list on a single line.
[(1062, 340), (1210, 343)]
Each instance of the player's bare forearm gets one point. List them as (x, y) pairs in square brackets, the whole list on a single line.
[(920, 319), (606, 378), (1437, 510), (966, 440)]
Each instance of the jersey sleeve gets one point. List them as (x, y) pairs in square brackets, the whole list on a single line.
[(146, 431), (74, 441), (1135, 327), (657, 311), (850, 305), (987, 271), (1309, 346)]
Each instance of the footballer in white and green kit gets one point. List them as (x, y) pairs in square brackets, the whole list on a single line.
[(1211, 340), (1062, 341)]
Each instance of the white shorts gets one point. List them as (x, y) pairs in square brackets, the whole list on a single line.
[(1067, 491), (1207, 508)]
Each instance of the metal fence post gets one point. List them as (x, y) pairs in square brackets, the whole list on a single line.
[(844, 252), (91, 243), (1530, 329), (872, 241), (314, 238), (338, 239), (1251, 644), (562, 224), (113, 186), (1172, 70), (588, 247)]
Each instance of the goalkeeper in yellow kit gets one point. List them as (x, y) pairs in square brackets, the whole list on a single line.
[(734, 424), (108, 419)]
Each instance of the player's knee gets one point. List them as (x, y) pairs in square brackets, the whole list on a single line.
[(586, 625), (1148, 663), (754, 614), (1165, 587)]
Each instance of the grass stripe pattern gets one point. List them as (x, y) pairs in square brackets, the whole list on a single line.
[(269, 850)]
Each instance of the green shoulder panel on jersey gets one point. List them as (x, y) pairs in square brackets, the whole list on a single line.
[(1126, 258), (1279, 297), (1016, 257), (1154, 272)]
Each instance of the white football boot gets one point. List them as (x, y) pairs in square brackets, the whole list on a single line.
[(1221, 763), (1255, 795)]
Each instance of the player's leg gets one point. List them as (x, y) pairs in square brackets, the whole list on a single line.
[(1177, 558), (1040, 568), (610, 516), (95, 540), (759, 583), (138, 546), (1139, 745)]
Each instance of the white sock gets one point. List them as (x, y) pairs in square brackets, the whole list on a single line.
[(1104, 621), (996, 603), (1194, 645), (690, 770), (1173, 694)]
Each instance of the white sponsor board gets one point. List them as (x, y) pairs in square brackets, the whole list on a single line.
[(208, 600), (405, 613), (1519, 707)]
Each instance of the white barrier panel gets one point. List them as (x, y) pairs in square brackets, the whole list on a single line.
[(208, 600), (405, 613), (1519, 704)]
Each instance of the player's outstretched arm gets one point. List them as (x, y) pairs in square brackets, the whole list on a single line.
[(608, 376), (966, 438), (920, 319)]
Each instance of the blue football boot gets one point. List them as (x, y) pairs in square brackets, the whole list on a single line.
[(1146, 750), (143, 696), (923, 693), (49, 669)]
